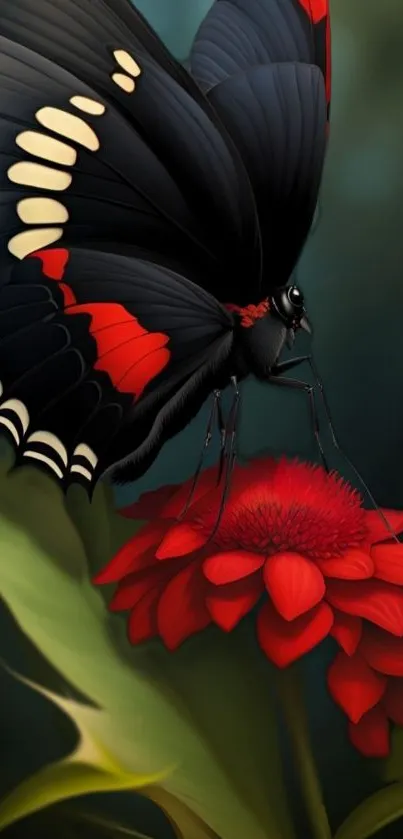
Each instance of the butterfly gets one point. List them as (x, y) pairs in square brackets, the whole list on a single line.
[(151, 217)]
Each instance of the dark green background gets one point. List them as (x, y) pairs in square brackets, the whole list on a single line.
[(351, 273)]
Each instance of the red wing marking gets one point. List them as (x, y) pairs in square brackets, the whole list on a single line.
[(130, 355), (315, 9), (250, 314), (54, 262)]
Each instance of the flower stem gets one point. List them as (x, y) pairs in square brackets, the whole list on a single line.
[(292, 706)]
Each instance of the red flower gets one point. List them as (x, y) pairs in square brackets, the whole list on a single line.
[(366, 681), (292, 539)]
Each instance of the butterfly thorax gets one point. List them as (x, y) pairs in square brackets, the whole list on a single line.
[(262, 329)]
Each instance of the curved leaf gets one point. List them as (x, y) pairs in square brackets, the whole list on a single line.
[(185, 823), (393, 766), (88, 769), (377, 811), (151, 715)]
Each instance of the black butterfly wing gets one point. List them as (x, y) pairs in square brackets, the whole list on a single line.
[(277, 116), (102, 358), (238, 34), (266, 66), (157, 125)]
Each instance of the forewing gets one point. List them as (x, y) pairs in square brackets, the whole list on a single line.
[(108, 48), (94, 349), (277, 116), (238, 34)]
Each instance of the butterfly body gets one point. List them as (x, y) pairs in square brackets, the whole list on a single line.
[(150, 218)]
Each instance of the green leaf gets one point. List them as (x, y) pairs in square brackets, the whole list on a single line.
[(68, 822), (110, 829), (88, 769), (376, 812), (185, 823), (157, 709), (393, 766)]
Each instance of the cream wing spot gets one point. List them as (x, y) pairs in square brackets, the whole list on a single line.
[(48, 148), (84, 451), (124, 82), (32, 240), (46, 438), (19, 409), (127, 63), (89, 106), (15, 406), (45, 459), (70, 126), (42, 177), (11, 427), (81, 470), (42, 211)]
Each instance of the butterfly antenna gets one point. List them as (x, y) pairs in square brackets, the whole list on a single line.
[(319, 383)]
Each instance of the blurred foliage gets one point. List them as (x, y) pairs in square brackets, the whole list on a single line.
[(68, 824), (90, 768), (147, 716)]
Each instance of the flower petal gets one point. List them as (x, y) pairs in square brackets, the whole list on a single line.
[(285, 641), (181, 609), (371, 735), (149, 505), (382, 651), (347, 630), (230, 566), (135, 586), (354, 686), (229, 604), (393, 701), (133, 556), (294, 583), (354, 565), (388, 562), (181, 539), (378, 602), (142, 623), (377, 530)]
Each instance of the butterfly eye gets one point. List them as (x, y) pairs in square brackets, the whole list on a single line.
[(295, 296)]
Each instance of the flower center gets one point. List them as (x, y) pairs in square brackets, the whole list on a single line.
[(301, 510)]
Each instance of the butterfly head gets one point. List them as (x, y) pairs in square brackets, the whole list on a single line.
[(289, 305)]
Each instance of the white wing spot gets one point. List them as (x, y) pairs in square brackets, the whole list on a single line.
[(41, 145), (80, 470), (33, 240), (19, 409), (11, 427), (69, 125), (84, 451), (49, 439), (42, 211), (127, 63), (124, 82), (41, 177), (89, 106), (47, 460)]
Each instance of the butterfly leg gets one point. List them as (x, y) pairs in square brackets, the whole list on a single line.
[(229, 452), (215, 416), (296, 384), (341, 451)]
